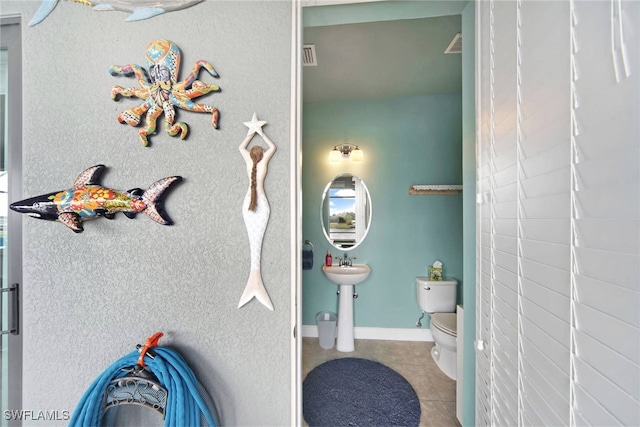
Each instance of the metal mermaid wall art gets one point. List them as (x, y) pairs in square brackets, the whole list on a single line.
[(255, 209)]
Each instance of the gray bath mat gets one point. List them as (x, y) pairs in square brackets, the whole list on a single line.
[(358, 392)]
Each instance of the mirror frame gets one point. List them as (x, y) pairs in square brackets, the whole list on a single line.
[(325, 194)]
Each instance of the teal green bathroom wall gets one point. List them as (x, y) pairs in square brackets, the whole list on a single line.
[(414, 140), (351, 13), (469, 211)]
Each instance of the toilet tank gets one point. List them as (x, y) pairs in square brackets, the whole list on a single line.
[(436, 296)]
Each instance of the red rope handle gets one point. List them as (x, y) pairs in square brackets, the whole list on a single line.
[(152, 341)]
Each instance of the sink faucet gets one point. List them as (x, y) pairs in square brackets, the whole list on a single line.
[(345, 261)]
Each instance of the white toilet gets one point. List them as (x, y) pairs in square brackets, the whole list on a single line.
[(438, 298)]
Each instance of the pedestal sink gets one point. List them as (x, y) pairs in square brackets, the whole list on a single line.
[(346, 277)]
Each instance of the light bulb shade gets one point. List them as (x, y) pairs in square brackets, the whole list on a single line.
[(357, 156), (335, 156)]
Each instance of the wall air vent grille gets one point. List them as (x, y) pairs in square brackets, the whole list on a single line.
[(456, 44), (309, 55)]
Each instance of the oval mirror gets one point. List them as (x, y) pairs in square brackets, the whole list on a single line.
[(345, 211)]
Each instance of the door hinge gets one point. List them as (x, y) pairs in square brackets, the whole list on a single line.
[(14, 307)]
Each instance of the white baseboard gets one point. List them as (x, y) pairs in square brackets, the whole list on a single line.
[(390, 334)]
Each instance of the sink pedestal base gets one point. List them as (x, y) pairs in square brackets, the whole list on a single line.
[(346, 277), (345, 320)]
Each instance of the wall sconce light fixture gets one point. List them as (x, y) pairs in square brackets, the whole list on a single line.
[(342, 151)]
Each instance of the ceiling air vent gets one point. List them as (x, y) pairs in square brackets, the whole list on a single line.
[(456, 44), (309, 55)]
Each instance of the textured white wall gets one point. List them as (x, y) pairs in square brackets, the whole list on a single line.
[(90, 297)]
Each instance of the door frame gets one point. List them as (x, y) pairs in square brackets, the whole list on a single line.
[(11, 40), (296, 211)]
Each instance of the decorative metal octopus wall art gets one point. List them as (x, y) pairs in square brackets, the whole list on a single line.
[(162, 92)]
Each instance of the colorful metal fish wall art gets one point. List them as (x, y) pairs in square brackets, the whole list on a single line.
[(139, 9), (88, 200), (162, 92)]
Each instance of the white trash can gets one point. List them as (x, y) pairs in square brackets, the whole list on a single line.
[(327, 328)]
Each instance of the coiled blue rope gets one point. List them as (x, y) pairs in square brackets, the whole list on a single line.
[(185, 404)]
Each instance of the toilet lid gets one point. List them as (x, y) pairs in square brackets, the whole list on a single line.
[(446, 322)]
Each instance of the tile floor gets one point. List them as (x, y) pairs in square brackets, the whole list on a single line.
[(437, 393)]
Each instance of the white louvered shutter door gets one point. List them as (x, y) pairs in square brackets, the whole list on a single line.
[(558, 311)]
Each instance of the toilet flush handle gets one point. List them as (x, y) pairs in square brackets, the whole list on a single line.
[(427, 288)]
